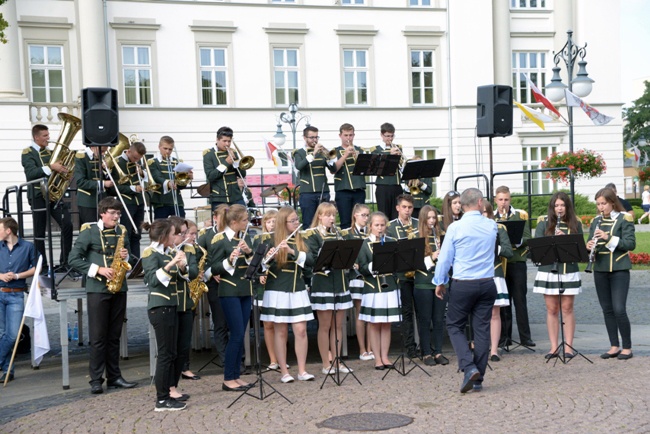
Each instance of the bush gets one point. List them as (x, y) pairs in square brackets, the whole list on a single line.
[(640, 258)]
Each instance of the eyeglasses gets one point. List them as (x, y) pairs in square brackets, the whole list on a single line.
[(453, 193), (313, 137), (113, 212), (293, 221), (364, 215)]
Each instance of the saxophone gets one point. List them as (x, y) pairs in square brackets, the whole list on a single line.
[(197, 285), (119, 265)]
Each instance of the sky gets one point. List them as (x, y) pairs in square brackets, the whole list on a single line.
[(635, 41)]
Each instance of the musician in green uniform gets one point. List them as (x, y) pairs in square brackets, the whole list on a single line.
[(350, 189), (168, 200), (90, 183), (223, 171), (388, 187), (94, 255), (311, 162)]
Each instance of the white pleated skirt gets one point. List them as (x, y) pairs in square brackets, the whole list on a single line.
[(550, 283), (286, 307), (503, 299), (381, 307), (330, 300)]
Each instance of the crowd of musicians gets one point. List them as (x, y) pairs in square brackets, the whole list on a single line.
[(182, 263)]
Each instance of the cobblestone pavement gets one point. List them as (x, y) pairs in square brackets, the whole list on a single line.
[(522, 393)]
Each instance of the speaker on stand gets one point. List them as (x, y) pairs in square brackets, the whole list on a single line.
[(99, 122)]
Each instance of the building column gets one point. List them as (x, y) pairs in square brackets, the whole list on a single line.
[(501, 37), (92, 47), (10, 83)]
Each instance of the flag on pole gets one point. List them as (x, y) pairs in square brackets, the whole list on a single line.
[(272, 153), (596, 117), (539, 97), (534, 115), (34, 309), (633, 152)]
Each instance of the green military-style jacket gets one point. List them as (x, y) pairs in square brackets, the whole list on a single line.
[(263, 238), (34, 159), (94, 248), (424, 278), (396, 179), (88, 176), (312, 174), (289, 277), (505, 252), (621, 239), (422, 198), (343, 178), (127, 191), (542, 223), (185, 302), (520, 252), (162, 172), (232, 283), (372, 281), (222, 177), (334, 281), (162, 284), (400, 231)]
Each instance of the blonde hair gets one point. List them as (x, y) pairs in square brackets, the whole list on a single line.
[(281, 233), (270, 214), (325, 208), (232, 213)]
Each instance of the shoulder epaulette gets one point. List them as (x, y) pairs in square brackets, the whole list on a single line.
[(541, 218), (189, 249), (523, 214), (202, 231), (308, 232), (122, 228), (295, 151), (217, 237), (147, 252), (267, 236), (501, 226), (150, 161), (345, 232), (26, 150), (628, 217), (85, 226), (80, 154), (206, 151)]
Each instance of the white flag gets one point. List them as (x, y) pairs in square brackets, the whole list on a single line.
[(596, 117), (34, 309)]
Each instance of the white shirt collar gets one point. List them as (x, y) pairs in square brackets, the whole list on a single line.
[(123, 156), (90, 153), (372, 238), (38, 148), (229, 233), (614, 214), (158, 247)]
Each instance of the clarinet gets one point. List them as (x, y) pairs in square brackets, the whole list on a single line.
[(382, 278), (592, 253)]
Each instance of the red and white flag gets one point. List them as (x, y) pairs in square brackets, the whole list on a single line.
[(272, 153), (539, 97), (34, 309), (596, 117)]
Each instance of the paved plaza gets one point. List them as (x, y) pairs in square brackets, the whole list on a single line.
[(521, 393)]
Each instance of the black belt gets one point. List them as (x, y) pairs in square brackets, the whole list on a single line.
[(4, 289), (485, 279)]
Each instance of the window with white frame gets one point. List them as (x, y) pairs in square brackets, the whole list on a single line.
[(419, 2), (527, 4), (422, 76), (532, 64), (353, 2), (428, 154), (283, 1), (213, 76), (285, 75), (355, 73), (532, 158), (136, 70), (46, 73)]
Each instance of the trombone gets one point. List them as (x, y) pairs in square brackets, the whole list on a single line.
[(245, 162)]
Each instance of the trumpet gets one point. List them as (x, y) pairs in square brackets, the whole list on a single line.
[(414, 187), (320, 149), (245, 162), (592, 252), (274, 251)]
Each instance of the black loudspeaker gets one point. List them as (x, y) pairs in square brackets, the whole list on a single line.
[(494, 111), (99, 123)]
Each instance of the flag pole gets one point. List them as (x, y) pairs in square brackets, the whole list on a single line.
[(13, 354)]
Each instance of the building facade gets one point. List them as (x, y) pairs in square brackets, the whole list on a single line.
[(186, 68)]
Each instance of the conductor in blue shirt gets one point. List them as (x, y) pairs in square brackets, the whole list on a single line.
[(469, 247)]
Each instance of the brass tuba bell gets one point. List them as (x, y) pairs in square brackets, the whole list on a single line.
[(58, 183), (112, 154), (245, 162)]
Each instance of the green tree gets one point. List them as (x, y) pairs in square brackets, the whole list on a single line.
[(3, 25), (637, 130)]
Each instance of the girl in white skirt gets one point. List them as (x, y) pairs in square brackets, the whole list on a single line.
[(329, 289), (379, 306), (505, 252), (560, 220), (285, 297), (359, 231)]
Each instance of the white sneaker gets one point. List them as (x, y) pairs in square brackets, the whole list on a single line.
[(344, 370), (305, 377), (366, 356), (275, 366), (287, 378), (639, 221), (328, 371)]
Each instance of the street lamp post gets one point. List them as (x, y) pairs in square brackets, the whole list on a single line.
[(293, 119), (581, 85)]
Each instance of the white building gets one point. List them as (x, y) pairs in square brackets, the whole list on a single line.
[(185, 68)]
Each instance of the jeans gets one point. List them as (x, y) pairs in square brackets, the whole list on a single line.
[(163, 320), (430, 309), (237, 311), (345, 201), (12, 305), (105, 319), (308, 204), (162, 212), (612, 291)]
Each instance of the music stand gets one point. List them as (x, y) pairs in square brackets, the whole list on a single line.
[(337, 255), (554, 250), (401, 256), (252, 273), (422, 169), (137, 271), (376, 165)]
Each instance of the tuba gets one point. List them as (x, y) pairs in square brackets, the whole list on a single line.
[(112, 154), (58, 183), (245, 162)]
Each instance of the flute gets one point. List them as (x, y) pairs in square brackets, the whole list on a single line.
[(274, 250)]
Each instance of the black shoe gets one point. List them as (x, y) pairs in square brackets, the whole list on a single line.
[(619, 357), (505, 343), (610, 355), (188, 377), (120, 383), (4, 377), (477, 386), (233, 389), (62, 268), (389, 366), (380, 367), (96, 389), (528, 343), (169, 405), (184, 397), (468, 382), (74, 274), (569, 355), (429, 360), (495, 358), (441, 360), (412, 353), (550, 356)]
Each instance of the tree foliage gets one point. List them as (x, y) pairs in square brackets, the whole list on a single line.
[(3, 25), (637, 129)]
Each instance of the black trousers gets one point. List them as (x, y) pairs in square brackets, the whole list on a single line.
[(183, 344), (308, 204), (163, 320), (135, 234), (408, 308), (60, 214), (475, 298), (105, 319), (219, 324), (516, 280), (87, 215), (162, 212), (612, 289), (345, 201), (386, 197)]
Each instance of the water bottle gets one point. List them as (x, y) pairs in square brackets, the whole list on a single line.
[(75, 333), (69, 332)]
